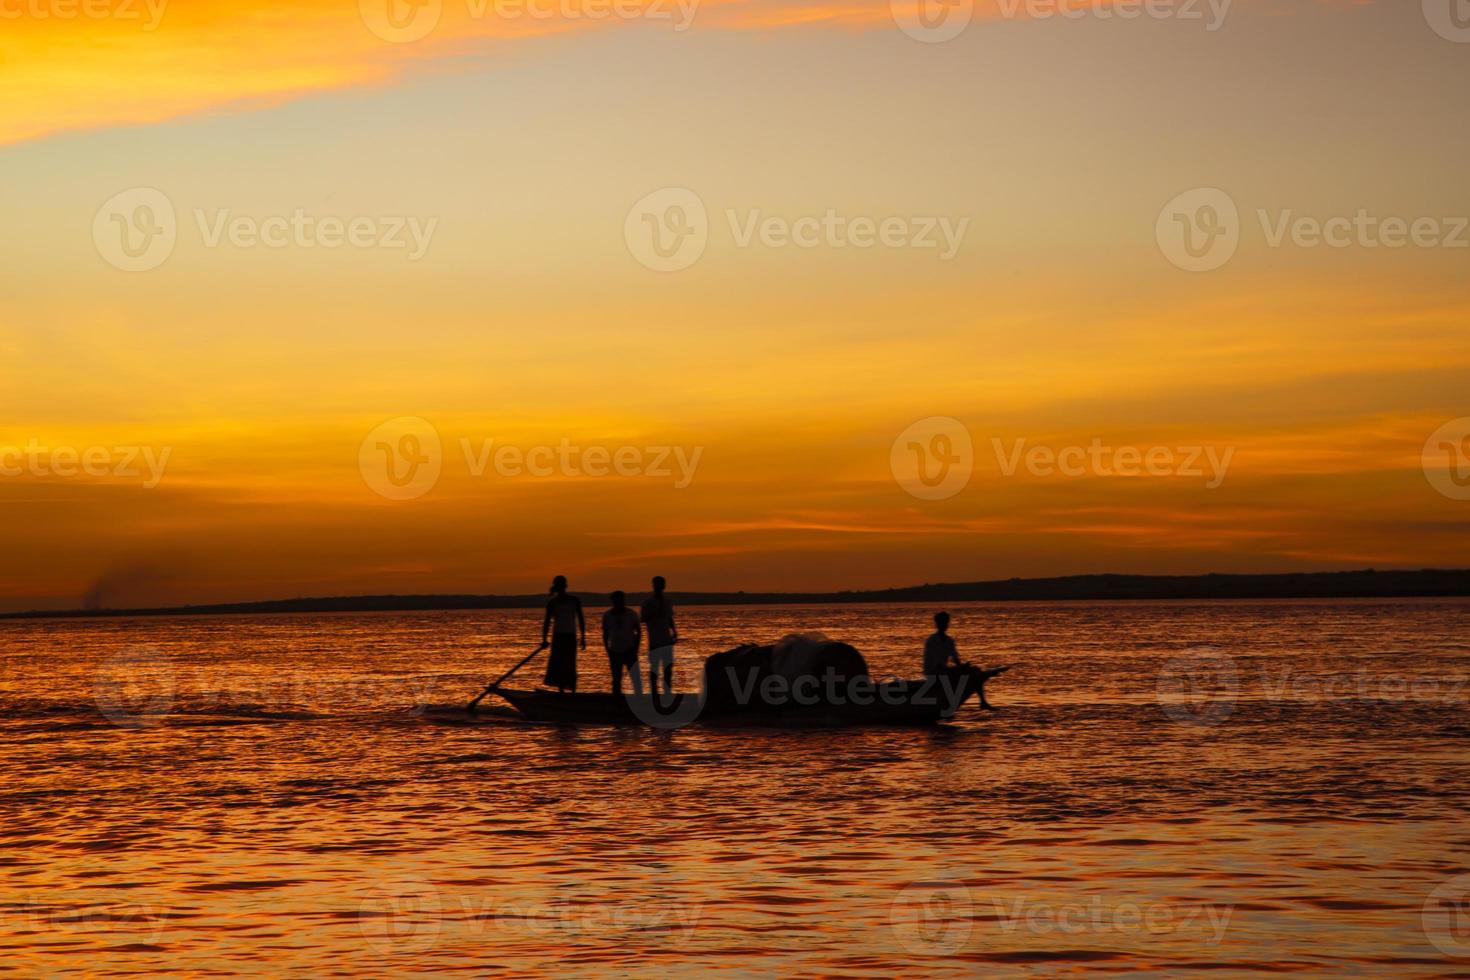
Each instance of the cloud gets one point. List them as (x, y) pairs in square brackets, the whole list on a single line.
[(81, 73), (148, 61)]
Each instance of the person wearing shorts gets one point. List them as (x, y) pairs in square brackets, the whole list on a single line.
[(658, 619)]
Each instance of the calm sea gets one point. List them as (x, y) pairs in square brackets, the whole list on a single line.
[(1221, 787)]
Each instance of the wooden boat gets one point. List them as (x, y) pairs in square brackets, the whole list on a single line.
[(805, 681), (897, 703), (591, 709)]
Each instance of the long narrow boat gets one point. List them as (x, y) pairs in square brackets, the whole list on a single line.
[(803, 682), (903, 703), (594, 709)]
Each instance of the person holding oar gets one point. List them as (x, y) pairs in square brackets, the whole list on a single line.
[(564, 621), (564, 613)]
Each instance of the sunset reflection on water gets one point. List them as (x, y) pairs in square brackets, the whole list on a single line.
[(269, 795)]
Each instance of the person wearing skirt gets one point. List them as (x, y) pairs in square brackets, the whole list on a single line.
[(563, 622)]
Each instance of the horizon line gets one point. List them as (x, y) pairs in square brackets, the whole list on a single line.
[(1390, 583)]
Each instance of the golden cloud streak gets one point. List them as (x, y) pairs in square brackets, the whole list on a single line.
[(150, 61)]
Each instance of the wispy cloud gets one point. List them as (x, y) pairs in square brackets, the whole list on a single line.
[(153, 61)]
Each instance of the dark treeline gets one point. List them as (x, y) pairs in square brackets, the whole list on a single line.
[(1303, 585)]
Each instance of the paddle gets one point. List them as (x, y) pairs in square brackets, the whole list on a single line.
[(487, 692)]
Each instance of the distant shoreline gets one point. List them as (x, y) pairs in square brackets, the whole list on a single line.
[(1368, 584)]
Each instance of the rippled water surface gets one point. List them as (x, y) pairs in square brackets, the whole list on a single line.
[(1230, 787)]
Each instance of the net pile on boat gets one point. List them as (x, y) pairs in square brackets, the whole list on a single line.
[(735, 678)]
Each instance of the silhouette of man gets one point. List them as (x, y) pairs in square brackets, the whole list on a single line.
[(564, 613), (658, 616), (621, 634), (939, 649), (940, 654)]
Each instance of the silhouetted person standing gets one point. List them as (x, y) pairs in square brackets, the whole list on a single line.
[(621, 634), (563, 621), (939, 649), (658, 617)]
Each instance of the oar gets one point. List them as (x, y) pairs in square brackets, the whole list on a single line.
[(486, 693)]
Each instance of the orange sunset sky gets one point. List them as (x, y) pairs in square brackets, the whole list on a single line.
[(204, 420)]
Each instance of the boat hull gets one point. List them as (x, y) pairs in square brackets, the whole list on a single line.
[(899, 703)]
